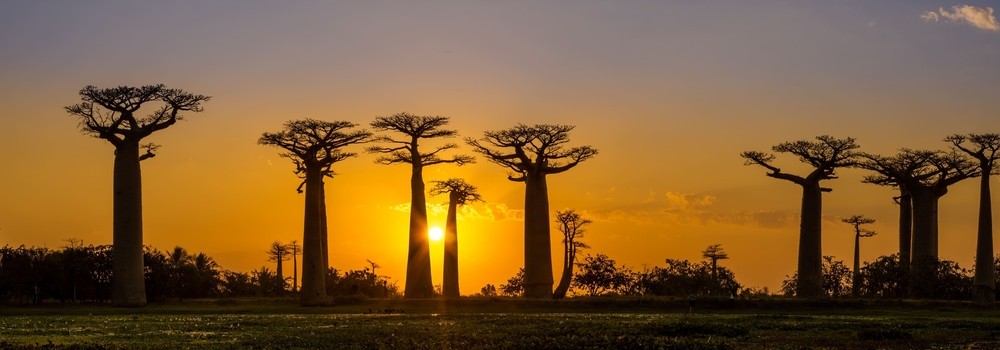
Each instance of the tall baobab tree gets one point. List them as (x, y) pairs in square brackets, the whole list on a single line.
[(571, 224), (857, 221), (314, 146), (825, 155), (278, 253), (715, 253), (459, 193), (984, 148), (530, 153), (295, 249), (925, 176), (406, 150), (110, 114)]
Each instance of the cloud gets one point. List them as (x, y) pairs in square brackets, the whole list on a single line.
[(674, 208), (978, 17)]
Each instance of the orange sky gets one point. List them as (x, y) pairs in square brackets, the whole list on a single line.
[(669, 93)]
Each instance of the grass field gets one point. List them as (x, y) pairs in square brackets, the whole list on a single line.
[(503, 324)]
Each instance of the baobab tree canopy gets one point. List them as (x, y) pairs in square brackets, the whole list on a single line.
[(529, 153), (825, 155), (461, 191), (110, 114)]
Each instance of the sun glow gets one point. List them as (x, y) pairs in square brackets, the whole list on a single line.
[(436, 233)]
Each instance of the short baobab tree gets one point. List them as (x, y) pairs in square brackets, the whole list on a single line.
[(279, 253), (314, 146), (530, 153), (825, 155), (111, 114), (925, 176), (406, 150), (985, 149), (571, 224), (295, 249), (859, 232), (715, 253), (459, 193)]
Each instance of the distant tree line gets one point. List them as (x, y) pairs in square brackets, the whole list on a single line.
[(82, 274)]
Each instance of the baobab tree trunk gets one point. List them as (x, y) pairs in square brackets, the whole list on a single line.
[(569, 257), (924, 254), (418, 263), (449, 287), (128, 286), (905, 228), (281, 276), (325, 235), (984, 292), (856, 276), (295, 274), (537, 243), (313, 272), (810, 281)]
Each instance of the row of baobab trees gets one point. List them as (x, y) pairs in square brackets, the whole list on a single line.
[(528, 153), (922, 177)]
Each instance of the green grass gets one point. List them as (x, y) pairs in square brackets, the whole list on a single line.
[(483, 324)]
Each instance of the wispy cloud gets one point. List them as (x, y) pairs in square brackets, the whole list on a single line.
[(979, 17), (673, 208)]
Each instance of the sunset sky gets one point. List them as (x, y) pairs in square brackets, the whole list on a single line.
[(670, 92)]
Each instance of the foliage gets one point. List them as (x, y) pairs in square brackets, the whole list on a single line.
[(488, 290), (514, 286), (682, 278), (360, 282), (599, 275), (883, 278), (836, 279)]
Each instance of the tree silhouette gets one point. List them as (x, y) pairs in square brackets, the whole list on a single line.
[(110, 114), (179, 261), (714, 253), (406, 150), (459, 193), (857, 221), (295, 249), (530, 153), (925, 176), (571, 225), (314, 146), (278, 253), (984, 148), (825, 155)]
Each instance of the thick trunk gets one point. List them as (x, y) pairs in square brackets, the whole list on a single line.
[(569, 257), (924, 254), (905, 228), (325, 235), (128, 284), (856, 275), (537, 243), (810, 281), (450, 284), (281, 277), (984, 291), (313, 272), (418, 263)]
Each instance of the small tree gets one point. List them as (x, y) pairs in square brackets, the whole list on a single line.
[(714, 253), (857, 221), (836, 279), (599, 274), (110, 114), (530, 153), (459, 193), (279, 253), (295, 249), (405, 150), (571, 224), (514, 286), (314, 146), (825, 155), (488, 290)]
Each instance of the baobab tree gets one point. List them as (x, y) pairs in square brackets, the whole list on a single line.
[(857, 221), (530, 153), (985, 149), (459, 193), (406, 150), (715, 253), (925, 176), (278, 253), (295, 249), (111, 114), (825, 155), (571, 224), (314, 146)]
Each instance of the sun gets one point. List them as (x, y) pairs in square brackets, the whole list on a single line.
[(436, 233)]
